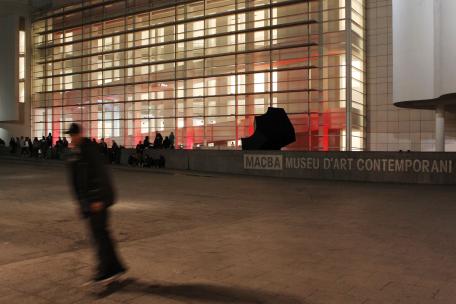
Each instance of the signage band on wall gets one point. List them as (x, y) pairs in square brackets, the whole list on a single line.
[(384, 165)]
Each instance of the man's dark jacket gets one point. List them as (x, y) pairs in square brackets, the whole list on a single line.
[(91, 181)]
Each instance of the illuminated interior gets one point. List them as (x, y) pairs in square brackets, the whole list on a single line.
[(21, 63), (202, 69)]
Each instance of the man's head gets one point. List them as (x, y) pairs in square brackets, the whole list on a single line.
[(75, 134)]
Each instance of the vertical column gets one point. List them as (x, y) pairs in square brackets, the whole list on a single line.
[(205, 89), (348, 75), (440, 128), (236, 81), (321, 87), (177, 136)]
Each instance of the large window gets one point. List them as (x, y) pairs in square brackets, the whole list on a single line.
[(22, 56), (202, 69)]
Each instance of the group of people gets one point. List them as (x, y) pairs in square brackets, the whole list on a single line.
[(140, 159), (159, 142), (46, 148), (111, 155), (43, 148)]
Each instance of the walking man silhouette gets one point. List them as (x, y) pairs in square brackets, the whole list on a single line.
[(95, 194)]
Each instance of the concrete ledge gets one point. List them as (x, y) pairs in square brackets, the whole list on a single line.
[(412, 168), (391, 167), (34, 161), (175, 159)]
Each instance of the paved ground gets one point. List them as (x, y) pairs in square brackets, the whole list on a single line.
[(226, 239)]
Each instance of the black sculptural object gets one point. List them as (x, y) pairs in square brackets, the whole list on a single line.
[(273, 131)]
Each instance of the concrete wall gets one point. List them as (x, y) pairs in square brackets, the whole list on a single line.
[(8, 68), (426, 168), (391, 128), (415, 50), (423, 48), (14, 117), (21, 127)]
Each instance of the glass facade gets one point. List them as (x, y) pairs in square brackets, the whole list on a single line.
[(202, 69), (21, 60)]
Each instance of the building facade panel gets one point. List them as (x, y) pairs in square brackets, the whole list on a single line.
[(391, 128), (202, 69), (14, 69)]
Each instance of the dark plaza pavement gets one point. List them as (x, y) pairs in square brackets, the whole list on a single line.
[(203, 238)]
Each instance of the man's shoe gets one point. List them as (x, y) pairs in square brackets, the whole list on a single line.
[(109, 277)]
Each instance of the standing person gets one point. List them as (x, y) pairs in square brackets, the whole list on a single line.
[(44, 147), (95, 194), (29, 146), (140, 153), (36, 147), (23, 145), (18, 144), (146, 142), (171, 140), (158, 141), (49, 140), (58, 148), (12, 145), (115, 152), (166, 143), (104, 149)]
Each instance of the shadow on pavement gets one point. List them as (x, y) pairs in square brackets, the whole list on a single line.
[(204, 293)]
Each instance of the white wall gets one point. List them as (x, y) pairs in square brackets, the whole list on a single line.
[(447, 59), (14, 117), (391, 128), (9, 109), (424, 48)]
